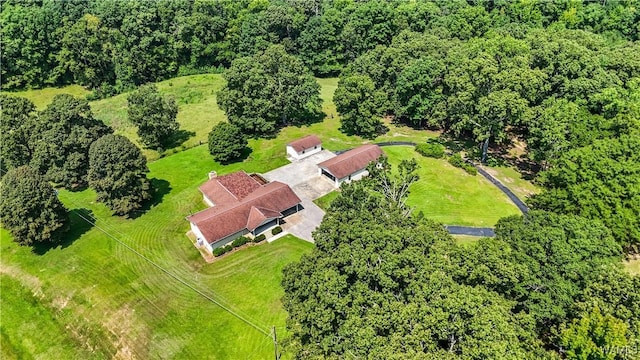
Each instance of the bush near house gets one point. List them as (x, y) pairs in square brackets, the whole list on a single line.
[(276, 230), (259, 238), (239, 242), (221, 251), (432, 150), (457, 161)]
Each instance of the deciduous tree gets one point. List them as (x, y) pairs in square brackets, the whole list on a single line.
[(62, 137), (154, 115), (356, 101), (226, 142), (269, 90), (118, 174), (30, 209)]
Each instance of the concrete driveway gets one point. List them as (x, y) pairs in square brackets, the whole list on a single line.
[(303, 178), (299, 171)]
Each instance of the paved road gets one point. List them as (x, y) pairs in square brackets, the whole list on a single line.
[(472, 231)]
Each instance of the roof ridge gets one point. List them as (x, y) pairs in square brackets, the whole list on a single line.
[(357, 150), (241, 203)]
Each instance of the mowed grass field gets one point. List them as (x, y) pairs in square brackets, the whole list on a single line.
[(451, 196), (105, 301)]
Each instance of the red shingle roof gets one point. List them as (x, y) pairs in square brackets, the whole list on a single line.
[(266, 202), (352, 161), (229, 188), (305, 143)]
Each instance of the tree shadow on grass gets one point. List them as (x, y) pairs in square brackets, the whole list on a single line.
[(244, 155), (177, 138), (160, 188), (80, 222)]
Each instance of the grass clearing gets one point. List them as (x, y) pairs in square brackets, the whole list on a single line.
[(325, 201), (42, 97), (118, 303), (449, 195), (632, 266), (511, 178), (466, 240)]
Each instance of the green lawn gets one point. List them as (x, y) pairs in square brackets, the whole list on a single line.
[(324, 201), (466, 240), (114, 301), (633, 266), (42, 97), (511, 178), (449, 195)]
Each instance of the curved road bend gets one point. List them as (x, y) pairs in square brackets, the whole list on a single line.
[(468, 230)]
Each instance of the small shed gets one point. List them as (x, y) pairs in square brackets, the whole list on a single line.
[(303, 147)]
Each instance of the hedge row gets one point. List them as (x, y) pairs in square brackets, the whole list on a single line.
[(237, 243), (276, 230), (457, 161)]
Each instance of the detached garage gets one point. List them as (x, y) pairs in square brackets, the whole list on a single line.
[(351, 165), (303, 147)]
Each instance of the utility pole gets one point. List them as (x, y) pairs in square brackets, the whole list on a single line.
[(275, 343)]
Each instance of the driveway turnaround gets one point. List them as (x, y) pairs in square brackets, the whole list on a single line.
[(304, 179)]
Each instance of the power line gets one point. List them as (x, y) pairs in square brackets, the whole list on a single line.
[(177, 278)]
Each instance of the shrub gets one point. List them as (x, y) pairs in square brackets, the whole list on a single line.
[(432, 150), (239, 242), (259, 238), (457, 161), (220, 251), (276, 230)]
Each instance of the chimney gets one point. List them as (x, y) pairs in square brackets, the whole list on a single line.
[(212, 174)]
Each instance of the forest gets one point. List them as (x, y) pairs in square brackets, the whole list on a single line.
[(559, 79)]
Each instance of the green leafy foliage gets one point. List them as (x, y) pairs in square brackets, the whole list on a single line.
[(269, 90), (594, 336), (600, 181), (30, 209), (543, 261), (357, 103), (457, 161), (221, 250), (154, 115), (117, 172), (16, 131), (378, 282), (226, 142), (62, 136), (259, 238), (430, 149), (239, 241)]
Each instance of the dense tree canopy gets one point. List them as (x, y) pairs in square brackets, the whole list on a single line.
[(62, 136), (16, 130), (30, 209), (154, 115), (269, 90), (356, 101), (117, 172), (600, 181)]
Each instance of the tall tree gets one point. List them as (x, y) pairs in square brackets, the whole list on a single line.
[(420, 93), (154, 115), (86, 52), (63, 135), (357, 101), (269, 90), (30, 209), (16, 130), (117, 171)]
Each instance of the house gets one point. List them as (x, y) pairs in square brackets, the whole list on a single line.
[(304, 147), (240, 204), (350, 165)]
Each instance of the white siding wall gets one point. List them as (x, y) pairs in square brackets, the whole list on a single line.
[(207, 201), (299, 155), (354, 177), (199, 236)]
